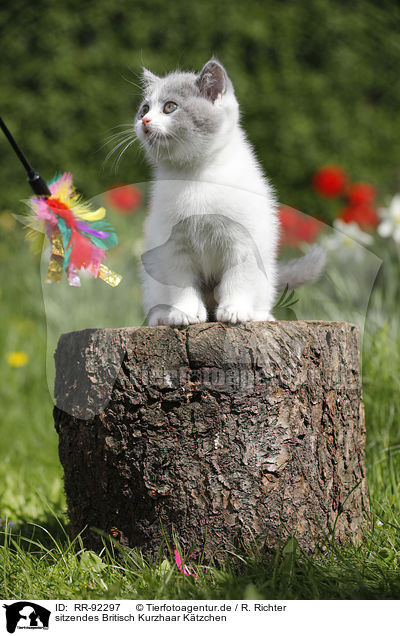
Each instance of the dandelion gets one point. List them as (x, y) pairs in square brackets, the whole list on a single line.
[(390, 224), (17, 358)]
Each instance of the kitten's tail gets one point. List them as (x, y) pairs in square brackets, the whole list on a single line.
[(302, 270)]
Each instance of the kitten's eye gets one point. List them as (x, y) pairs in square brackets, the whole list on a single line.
[(169, 107), (143, 111)]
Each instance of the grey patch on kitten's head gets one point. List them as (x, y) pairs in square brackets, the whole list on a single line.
[(205, 110)]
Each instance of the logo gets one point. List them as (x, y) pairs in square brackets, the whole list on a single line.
[(26, 615)]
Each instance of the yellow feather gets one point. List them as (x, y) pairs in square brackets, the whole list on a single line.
[(74, 201), (90, 215), (64, 194)]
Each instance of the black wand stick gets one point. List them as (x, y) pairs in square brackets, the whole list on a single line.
[(36, 181)]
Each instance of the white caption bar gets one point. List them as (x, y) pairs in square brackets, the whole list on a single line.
[(21, 617)]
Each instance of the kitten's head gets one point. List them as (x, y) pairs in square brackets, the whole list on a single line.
[(185, 117)]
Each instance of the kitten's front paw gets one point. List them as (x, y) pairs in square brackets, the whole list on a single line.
[(234, 314), (158, 316), (175, 317), (178, 318)]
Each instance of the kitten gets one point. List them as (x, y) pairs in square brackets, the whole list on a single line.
[(212, 231)]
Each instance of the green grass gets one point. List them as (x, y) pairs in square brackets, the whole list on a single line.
[(39, 560)]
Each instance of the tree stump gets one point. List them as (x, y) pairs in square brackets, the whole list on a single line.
[(226, 434)]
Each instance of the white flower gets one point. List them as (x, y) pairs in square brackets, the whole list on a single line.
[(390, 224), (347, 242), (348, 235)]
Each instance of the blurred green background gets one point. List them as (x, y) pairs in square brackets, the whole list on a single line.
[(317, 82)]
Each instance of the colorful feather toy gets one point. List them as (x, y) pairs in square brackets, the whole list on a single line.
[(79, 236)]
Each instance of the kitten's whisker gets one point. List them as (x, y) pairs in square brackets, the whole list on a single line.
[(119, 136), (124, 149), (167, 146), (175, 136), (118, 145), (139, 86), (122, 128), (128, 126), (115, 149), (128, 123), (158, 146), (128, 143), (169, 154), (121, 132), (182, 143)]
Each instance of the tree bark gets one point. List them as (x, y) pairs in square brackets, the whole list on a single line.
[(227, 434)]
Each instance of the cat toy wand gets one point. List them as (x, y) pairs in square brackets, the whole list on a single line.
[(79, 236), (35, 180)]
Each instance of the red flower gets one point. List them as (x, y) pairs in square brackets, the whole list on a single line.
[(330, 181), (360, 193), (125, 198), (296, 227), (364, 214)]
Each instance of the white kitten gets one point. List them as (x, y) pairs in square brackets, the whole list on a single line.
[(212, 232)]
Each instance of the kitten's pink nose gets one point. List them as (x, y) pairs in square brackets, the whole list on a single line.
[(146, 120)]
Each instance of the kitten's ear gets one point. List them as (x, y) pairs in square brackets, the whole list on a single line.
[(212, 80), (148, 77)]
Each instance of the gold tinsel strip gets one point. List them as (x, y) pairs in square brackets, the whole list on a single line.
[(109, 277), (55, 269)]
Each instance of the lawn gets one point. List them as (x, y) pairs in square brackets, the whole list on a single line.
[(39, 560)]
